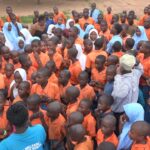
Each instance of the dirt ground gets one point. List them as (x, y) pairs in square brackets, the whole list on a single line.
[(26, 7)]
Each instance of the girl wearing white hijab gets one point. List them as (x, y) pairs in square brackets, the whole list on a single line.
[(20, 44), (19, 76), (93, 35), (70, 23), (27, 35), (50, 30)]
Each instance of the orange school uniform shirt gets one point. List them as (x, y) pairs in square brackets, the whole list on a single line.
[(106, 34), (141, 146), (62, 89), (59, 15), (2, 82), (8, 81), (17, 99), (43, 57), (112, 139), (146, 66), (148, 33), (99, 76), (90, 124), (90, 61), (75, 70), (37, 120), (72, 108), (57, 58), (51, 90), (9, 20), (108, 18), (142, 20), (86, 145), (86, 92), (3, 121), (16, 66), (30, 71), (118, 54), (56, 128), (83, 21), (53, 79)]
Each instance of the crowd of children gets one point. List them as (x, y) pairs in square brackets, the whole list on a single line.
[(85, 80)]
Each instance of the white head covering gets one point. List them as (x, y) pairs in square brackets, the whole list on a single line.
[(27, 35), (68, 23), (23, 75), (127, 62), (81, 57), (50, 29)]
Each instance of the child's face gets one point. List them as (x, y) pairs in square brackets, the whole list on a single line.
[(100, 18), (21, 44), (32, 106), (69, 44), (28, 49), (132, 134), (9, 71), (106, 128), (18, 78), (104, 27), (28, 63), (98, 64), (62, 78), (51, 45), (93, 36), (88, 46), (71, 23), (22, 90), (43, 47), (33, 78), (138, 32), (15, 58), (6, 54), (36, 47), (60, 20), (109, 9), (83, 108), (102, 106), (40, 79), (110, 74)]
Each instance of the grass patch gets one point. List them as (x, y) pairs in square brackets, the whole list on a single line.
[(26, 19)]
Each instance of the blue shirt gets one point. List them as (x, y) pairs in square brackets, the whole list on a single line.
[(61, 26), (49, 22), (108, 87), (114, 39), (32, 139)]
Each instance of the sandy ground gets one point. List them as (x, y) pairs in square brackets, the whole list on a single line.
[(26, 7)]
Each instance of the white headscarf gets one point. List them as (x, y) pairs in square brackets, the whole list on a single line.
[(50, 29), (68, 23), (93, 30), (23, 75), (27, 35), (81, 57)]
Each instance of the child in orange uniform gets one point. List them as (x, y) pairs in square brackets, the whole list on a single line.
[(86, 91), (139, 133), (64, 83), (75, 66), (89, 122), (37, 115), (106, 133), (9, 74), (56, 126), (99, 72), (26, 64), (71, 96), (15, 59), (117, 49), (79, 138), (45, 88)]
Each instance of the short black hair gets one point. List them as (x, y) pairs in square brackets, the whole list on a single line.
[(130, 43), (17, 115), (117, 46), (55, 40), (36, 41), (99, 43), (108, 99), (23, 58), (41, 18), (118, 28), (102, 58)]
